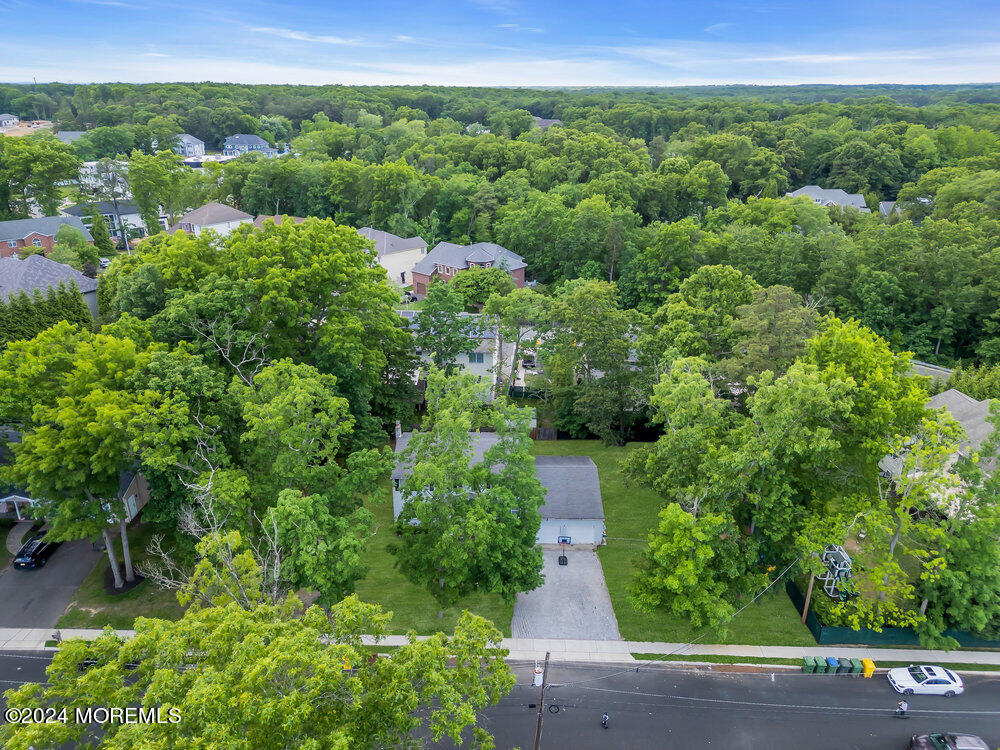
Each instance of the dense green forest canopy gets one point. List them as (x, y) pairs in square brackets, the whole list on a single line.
[(641, 186)]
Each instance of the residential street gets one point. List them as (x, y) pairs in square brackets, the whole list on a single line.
[(661, 707), (37, 598)]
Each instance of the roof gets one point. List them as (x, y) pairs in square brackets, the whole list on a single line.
[(211, 214), (38, 272), (68, 136), (243, 139), (18, 229), (927, 370), (833, 195), (457, 256), (541, 122), (968, 412), (7, 116), (886, 207), (188, 138), (104, 207), (277, 219), (387, 243), (572, 485)]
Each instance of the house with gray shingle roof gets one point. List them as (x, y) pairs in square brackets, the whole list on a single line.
[(40, 232), (573, 510), (218, 217), (447, 259), (545, 124), (397, 255), (243, 143), (9, 121), (38, 273), (831, 197), (189, 147)]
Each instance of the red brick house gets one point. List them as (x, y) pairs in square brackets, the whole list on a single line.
[(18, 234), (447, 259)]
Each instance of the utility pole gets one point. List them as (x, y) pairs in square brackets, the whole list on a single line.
[(541, 702)]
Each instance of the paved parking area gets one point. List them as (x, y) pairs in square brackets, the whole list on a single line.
[(573, 603), (37, 598)]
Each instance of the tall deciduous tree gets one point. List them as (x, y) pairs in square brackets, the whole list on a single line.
[(442, 330)]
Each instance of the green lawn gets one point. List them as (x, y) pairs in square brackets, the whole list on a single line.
[(629, 513), (412, 606), (92, 607)]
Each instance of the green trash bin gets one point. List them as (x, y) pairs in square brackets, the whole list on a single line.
[(856, 666), (808, 664), (820, 664), (845, 665)]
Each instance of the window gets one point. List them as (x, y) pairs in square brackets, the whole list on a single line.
[(36, 242), (476, 358), (11, 243)]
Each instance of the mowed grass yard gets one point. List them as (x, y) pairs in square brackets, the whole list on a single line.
[(93, 607), (412, 606), (630, 513)]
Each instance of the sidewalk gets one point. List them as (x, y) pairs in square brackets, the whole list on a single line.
[(28, 639)]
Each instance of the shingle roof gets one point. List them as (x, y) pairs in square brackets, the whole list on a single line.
[(7, 116), (833, 195), (936, 372), (38, 272), (211, 213), (573, 488), (68, 136), (387, 243), (968, 412), (456, 256), (104, 207), (543, 123), (243, 139), (188, 138), (886, 207), (18, 229)]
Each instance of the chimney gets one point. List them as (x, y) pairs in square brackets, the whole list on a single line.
[(399, 430)]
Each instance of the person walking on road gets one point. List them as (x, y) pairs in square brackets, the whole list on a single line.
[(604, 720), (901, 708)]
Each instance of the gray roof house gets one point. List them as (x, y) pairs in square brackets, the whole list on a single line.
[(573, 511), (8, 121), (243, 143), (188, 146), (387, 243), (831, 197), (447, 259), (17, 234), (128, 211), (544, 124), (36, 272), (886, 208), (68, 136), (397, 255), (218, 217)]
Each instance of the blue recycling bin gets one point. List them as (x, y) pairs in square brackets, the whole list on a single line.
[(832, 664)]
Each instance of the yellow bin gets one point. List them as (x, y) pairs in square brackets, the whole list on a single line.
[(867, 667)]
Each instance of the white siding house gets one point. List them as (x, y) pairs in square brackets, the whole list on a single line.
[(9, 121), (218, 217), (397, 255)]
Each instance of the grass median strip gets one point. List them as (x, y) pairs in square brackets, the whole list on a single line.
[(764, 661)]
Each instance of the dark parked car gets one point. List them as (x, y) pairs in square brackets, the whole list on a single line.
[(947, 741), (35, 552)]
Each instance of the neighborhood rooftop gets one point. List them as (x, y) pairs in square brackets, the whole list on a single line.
[(18, 229), (387, 243), (835, 196), (459, 256), (38, 272), (212, 213), (104, 207)]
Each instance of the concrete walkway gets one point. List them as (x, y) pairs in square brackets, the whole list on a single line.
[(572, 603), (33, 639), (15, 537)]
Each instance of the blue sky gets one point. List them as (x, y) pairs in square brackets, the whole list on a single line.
[(501, 42)]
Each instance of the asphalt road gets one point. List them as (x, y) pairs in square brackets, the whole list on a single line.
[(37, 598), (666, 708), (662, 707)]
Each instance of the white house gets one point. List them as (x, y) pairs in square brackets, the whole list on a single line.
[(9, 121), (189, 147), (128, 211), (242, 143), (573, 512), (218, 217), (832, 197), (397, 255)]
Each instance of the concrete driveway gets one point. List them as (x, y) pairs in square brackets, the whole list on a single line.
[(573, 602), (37, 598)]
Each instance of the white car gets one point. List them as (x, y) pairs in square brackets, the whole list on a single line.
[(925, 680)]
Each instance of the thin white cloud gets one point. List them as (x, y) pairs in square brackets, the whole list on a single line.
[(304, 36), (717, 28), (519, 27)]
